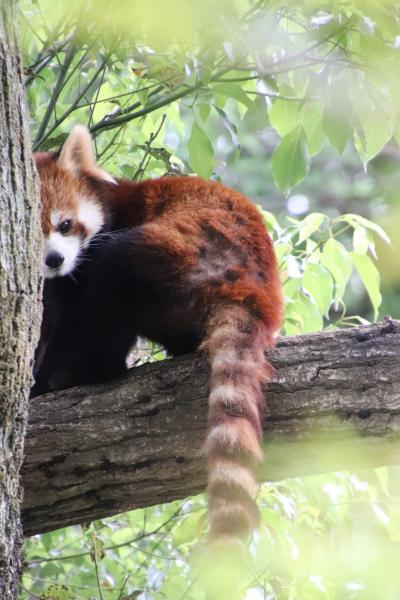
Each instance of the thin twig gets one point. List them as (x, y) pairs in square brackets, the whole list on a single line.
[(140, 170), (123, 587), (130, 93), (114, 122), (303, 54), (111, 143), (96, 98), (280, 97), (52, 34), (96, 566), (56, 92), (44, 59), (78, 63), (126, 110)]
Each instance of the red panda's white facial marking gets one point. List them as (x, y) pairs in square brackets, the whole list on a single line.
[(91, 216), (70, 232)]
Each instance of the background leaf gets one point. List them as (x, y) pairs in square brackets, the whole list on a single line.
[(369, 276), (201, 154), (290, 160)]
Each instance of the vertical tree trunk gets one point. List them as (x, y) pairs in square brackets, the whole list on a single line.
[(20, 251)]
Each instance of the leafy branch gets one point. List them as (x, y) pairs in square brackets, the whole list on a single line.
[(129, 542), (41, 136)]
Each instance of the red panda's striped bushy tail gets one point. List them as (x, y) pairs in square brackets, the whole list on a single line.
[(236, 343)]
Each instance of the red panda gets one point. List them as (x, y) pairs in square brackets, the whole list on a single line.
[(184, 262)]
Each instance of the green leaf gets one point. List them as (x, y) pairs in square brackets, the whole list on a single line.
[(291, 288), (282, 249), (229, 126), (203, 110), (375, 127), (338, 127), (205, 73), (361, 239), (284, 114), (290, 160), (354, 220), (273, 520), (312, 125), (174, 586), (370, 277), (302, 316), (47, 540), (319, 284), (270, 222), (256, 118), (187, 529), (376, 132), (310, 224), (338, 261), (201, 153), (231, 90)]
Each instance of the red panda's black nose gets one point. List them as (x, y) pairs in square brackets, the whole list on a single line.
[(54, 260)]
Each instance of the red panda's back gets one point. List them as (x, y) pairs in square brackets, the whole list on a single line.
[(222, 237)]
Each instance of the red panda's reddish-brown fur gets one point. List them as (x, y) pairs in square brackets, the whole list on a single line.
[(192, 220), (208, 252)]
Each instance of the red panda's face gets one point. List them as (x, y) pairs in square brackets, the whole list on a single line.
[(71, 216), (71, 211)]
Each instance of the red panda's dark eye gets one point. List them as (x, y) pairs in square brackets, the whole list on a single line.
[(65, 226)]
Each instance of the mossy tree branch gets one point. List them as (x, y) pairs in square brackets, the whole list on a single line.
[(96, 451)]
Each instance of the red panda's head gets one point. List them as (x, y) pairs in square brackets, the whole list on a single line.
[(71, 211)]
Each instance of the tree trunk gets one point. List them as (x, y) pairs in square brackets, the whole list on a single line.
[(20, 251), (96, 451)]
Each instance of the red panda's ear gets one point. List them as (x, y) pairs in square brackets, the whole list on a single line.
[(77, 155)]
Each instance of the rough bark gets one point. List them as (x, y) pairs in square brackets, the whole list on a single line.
[(100, 450), (19, 291)]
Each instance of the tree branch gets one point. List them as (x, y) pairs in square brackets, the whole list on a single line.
[(69, 57), (100, 450)]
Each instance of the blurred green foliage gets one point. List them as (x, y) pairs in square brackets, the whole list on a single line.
[(297, 105), (330, 537)]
